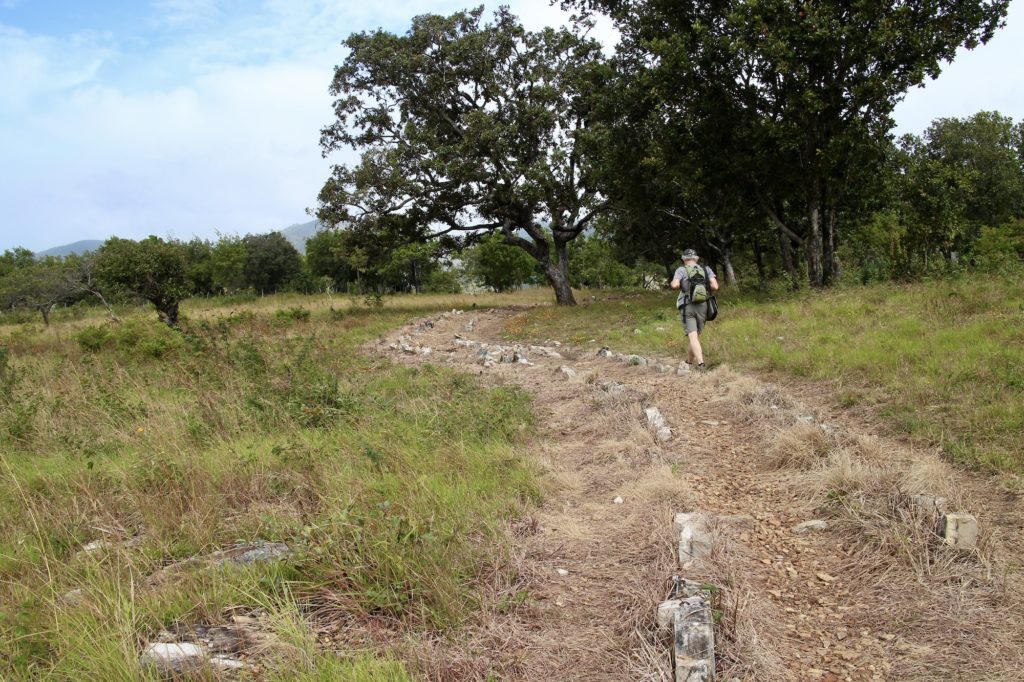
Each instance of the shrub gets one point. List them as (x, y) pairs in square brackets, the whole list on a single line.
[(93, 337)]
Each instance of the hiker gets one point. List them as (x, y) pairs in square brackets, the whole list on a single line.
[(696, 284)]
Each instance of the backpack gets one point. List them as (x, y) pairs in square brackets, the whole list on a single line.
[(698, 284)]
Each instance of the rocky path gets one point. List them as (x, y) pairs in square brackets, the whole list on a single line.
[(870, 594)]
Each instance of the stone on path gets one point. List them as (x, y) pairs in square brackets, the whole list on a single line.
[(604, 353), (173, 659), (808, 526), (682, 369), (567, 372), (613, 388), (959, 529), (694, 539), (694, 640), (657, 422)]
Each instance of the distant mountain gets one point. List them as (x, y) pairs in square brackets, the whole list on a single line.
[(298, 233), (75, 247)]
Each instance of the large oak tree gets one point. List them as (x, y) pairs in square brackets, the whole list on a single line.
[(806, 89), (468, 127)]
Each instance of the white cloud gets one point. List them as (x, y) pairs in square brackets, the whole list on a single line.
[(40, 65), (186, 13)]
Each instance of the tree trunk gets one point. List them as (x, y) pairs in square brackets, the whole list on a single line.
[(786, 251), (558, 275), (730, 274), (45, 310), (831, 264), (762, 276), (168, 312), (813, 245)]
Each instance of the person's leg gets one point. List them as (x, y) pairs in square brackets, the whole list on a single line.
[(695, 352)]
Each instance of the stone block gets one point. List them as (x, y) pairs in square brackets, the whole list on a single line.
[(808, 526), (694, 539), (959, 529), (693, 649), (567, 372), (173, 659)]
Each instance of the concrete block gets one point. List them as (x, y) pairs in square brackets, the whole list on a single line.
[(959, 529), (693, 649), (694, 539)]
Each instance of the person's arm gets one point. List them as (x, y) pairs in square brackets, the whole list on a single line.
[(677, 278), (712, 280)]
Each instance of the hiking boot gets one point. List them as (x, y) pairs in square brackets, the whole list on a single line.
[(701, 367)]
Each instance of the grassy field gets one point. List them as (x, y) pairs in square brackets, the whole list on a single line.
[(262, 421), (942, 361)]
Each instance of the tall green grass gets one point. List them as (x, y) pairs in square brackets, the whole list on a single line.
[(943, 361), (388, 482)]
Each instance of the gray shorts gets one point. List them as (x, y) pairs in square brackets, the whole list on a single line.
[(693, 316)]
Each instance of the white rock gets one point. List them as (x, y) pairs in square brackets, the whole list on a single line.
[(808, 526), (694, 539), (562, 572), (425, 350), (225, 662), (567, 372), (94, 546), (664, 434), (665, 612), (959, 529), (654, 418), (618, 500), (173, 658), (682, 369)]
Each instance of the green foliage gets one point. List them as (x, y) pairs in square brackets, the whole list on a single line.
[(133, 337), (498, 265), (493, 134), (227, 264), (152, 269), (327, 256), (271, 262), (386, 480), (596, 265), (724, 106)]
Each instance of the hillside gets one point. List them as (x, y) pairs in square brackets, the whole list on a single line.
[(78, 247)]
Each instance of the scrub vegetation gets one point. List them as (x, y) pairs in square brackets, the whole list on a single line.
[(257, 422)]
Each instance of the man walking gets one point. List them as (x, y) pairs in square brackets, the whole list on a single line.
[(696, 283)]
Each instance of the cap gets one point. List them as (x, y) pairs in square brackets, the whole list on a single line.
[(689, 253)]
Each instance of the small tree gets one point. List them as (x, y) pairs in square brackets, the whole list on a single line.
[(152, 269), (40, 287), (271, 262), (227, 264), (498, 265)]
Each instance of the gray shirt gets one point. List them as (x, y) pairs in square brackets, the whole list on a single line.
[(684, 283)]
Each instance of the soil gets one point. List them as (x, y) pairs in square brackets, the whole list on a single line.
[(875, 596)]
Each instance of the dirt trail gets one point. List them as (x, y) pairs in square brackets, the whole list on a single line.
[(873, 596)]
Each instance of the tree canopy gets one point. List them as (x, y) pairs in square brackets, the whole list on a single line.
[(465, 126)]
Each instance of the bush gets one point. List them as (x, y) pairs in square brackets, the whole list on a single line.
[(133, 336), (93, 337), (295, 313)]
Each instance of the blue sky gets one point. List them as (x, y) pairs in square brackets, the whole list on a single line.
[(192, 117)]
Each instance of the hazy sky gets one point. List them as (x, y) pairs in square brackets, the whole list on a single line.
[(189, 117)]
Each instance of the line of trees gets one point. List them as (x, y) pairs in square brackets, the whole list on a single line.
[(759, 132)]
